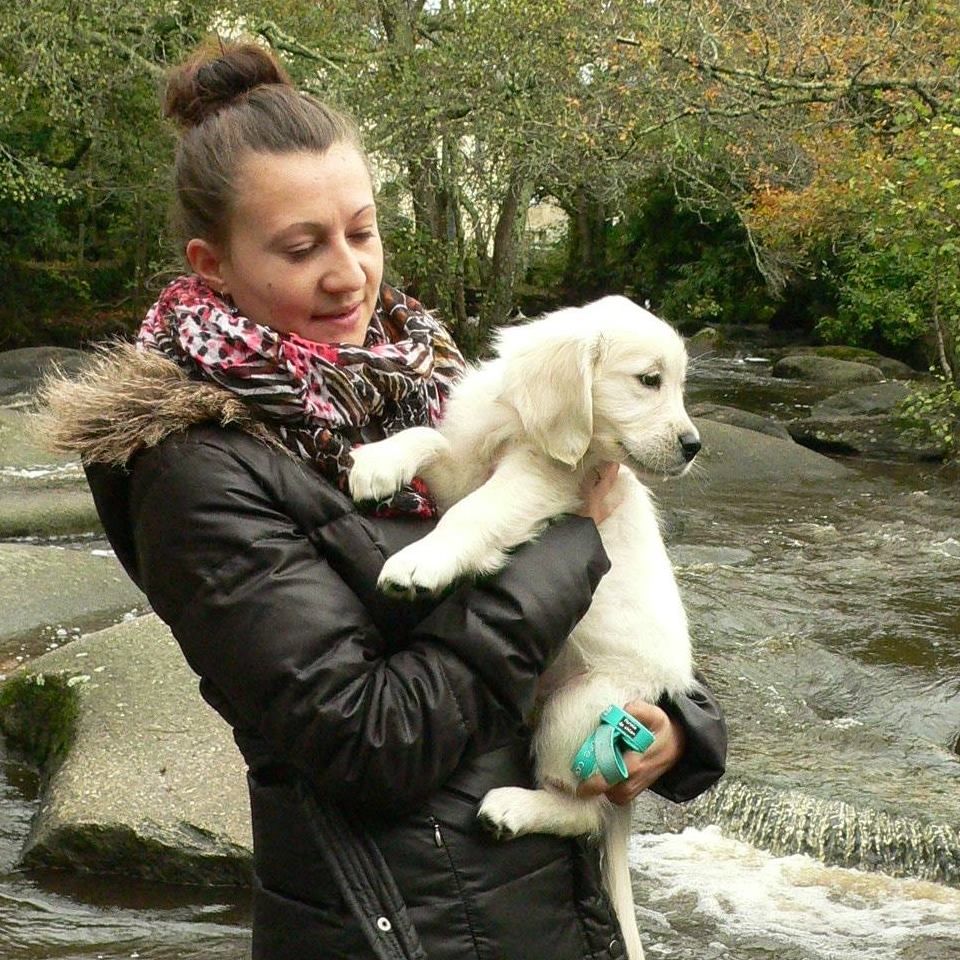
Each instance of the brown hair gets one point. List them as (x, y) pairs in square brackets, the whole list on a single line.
[(230, 100)]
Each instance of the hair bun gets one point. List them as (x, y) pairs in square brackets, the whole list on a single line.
[(215, 77)]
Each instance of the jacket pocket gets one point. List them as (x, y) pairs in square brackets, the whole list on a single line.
[(286, 857), (284, 929)]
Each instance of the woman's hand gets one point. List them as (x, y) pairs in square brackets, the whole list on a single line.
[(644, 768), (595, 491)]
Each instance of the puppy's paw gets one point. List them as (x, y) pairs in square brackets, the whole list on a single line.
[(506, 812), (376, 473), (419, 570)]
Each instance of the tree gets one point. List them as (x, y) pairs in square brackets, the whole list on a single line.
[(81, 147)]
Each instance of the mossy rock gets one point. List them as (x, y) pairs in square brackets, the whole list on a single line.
[(705, 341), (142, 777), (38, 716), (816, 369), (894, 369)]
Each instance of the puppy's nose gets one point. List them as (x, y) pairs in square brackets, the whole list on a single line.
[(690, 443)]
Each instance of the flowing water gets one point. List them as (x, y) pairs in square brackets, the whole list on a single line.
[(827, 619)]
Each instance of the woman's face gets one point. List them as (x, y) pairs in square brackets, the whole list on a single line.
[(304, 255)]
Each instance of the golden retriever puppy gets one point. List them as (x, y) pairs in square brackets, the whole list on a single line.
[(565, 393)]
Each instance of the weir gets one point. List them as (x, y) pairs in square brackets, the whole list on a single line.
[(837, 833)]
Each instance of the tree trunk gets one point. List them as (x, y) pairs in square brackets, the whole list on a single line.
[(454, 237), (587, 273), (944, 353), (498, 297)]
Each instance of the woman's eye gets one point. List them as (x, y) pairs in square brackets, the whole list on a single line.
[(300, 253), (652, 380)]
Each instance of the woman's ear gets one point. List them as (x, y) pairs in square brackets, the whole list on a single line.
[(206, 261)]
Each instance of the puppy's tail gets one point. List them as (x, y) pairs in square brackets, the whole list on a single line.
[(616, 877)]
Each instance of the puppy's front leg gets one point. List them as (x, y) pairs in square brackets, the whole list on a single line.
[(474, 535), (380, 469)]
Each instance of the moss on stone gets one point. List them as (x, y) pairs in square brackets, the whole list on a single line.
[(38, 716), (189, 857)]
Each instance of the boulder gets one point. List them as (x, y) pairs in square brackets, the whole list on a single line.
[(825, 370), (41, 493), (22, 450), (46, 588), (740, 418), (736, 458), (704, 341), (54, 512), (894, 369), (21, 370), (865, 421), (866, 401), (144, 779), (881, 438)]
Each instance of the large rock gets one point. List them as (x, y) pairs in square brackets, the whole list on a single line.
[(22, 450), (21, 370), (739, 458), (826, 370), (41, 494), (881, 438), (866, 421), (54, 512), (45, 588), (721, 413), (866, 401), (149, 782), (705, 341), (894, 369)]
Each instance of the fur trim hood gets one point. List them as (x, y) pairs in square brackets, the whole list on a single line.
[(125, 400)]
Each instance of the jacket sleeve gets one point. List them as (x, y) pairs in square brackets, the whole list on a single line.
[(291, 650), (705, 756)]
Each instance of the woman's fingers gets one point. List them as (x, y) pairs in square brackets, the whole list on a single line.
[(643, 769), (595, 490)]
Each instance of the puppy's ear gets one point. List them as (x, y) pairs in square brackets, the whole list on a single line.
[(548, 380)]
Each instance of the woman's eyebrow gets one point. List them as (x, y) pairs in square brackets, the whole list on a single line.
[(312, 226), (295, 229)]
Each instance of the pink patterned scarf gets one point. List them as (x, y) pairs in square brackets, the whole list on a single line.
[(323, 397)]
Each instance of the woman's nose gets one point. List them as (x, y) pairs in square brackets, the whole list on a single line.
[(342, 269)]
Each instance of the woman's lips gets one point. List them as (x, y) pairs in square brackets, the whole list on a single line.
[(347, 318)]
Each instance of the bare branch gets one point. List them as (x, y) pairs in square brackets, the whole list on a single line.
[(282, 41)]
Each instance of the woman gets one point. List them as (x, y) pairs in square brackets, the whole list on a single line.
[(217, 453)]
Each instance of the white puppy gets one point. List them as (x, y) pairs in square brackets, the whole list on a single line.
[(567, 392)]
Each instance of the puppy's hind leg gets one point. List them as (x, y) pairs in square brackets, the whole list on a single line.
[(380, 469), (514, 811)]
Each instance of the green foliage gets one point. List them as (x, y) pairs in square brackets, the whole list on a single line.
[(694, 266), (83, 158), (880, 297), (898, 275), (471, 109), (936, 412)]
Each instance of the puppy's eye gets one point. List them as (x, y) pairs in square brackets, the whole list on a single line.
[(651, 380)]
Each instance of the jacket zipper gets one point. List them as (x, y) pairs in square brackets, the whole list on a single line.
[(441, 845)]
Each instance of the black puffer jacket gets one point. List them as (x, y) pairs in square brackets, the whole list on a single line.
[(404, 713)]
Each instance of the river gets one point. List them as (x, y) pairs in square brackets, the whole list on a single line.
[(828, 619)]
